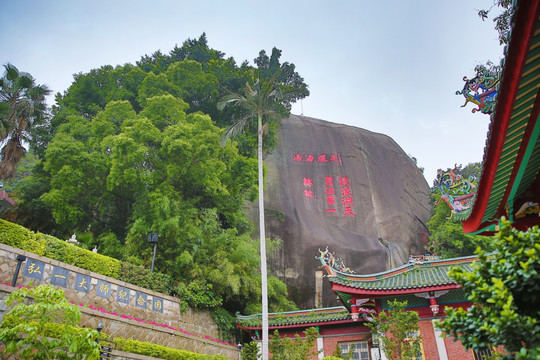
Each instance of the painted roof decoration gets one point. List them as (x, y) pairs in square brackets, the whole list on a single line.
[(510, 181), (455, 190), (331, 263), (409, 278), (481, 89), (300, 318)]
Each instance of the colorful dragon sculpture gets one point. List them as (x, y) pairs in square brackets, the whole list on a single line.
[(481, 90), (331, 263), (455, 190)]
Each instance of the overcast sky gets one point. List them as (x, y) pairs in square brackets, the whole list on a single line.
[(388, 66)]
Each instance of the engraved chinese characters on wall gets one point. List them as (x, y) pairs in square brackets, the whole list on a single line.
[(334, 190), (60, 276), (82, 283), (34, 269), (65, 278)]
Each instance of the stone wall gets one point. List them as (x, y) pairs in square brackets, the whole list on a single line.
[(116, 298)]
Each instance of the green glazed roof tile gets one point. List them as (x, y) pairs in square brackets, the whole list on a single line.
[(307, 317), (409, 276)]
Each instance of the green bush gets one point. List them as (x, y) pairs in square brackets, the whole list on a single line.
[(137, 274), (85, 259), (159, 351), (21, 238)]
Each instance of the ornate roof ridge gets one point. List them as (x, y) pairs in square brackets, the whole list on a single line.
[(306, 312), (404, 268), (298, 318)]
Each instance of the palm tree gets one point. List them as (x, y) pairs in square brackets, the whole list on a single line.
[(262, 101), (22, 104)]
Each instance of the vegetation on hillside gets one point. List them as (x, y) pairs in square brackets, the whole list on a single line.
[(135, 149)]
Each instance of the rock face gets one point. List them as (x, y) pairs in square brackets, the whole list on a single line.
[(347, 188)]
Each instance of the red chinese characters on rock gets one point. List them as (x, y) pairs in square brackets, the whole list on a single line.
[(320, 158), (307, 184), (330, 193), (347, 200), (346, 196)]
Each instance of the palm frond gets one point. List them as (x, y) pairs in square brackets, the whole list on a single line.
[(11, 72), (234, 130)]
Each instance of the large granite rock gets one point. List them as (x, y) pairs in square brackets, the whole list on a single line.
[(347, 188)]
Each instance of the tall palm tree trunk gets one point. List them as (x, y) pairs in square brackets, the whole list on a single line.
[(262, 239)]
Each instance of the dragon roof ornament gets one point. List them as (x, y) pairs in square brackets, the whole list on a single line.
[(481, 89), (331, 263), (455, 190)]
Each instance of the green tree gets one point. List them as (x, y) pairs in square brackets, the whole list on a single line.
[(262, 101), (24, 108), (45, 328), (398, 331), (447, 238), (504, 288), (250, 351), (299, 348)]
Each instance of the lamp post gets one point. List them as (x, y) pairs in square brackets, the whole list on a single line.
[(20, 259), (239, 346), (153, 238), (99, 328)]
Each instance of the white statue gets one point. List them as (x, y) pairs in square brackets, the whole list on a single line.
[(73, 239), (94, 249)]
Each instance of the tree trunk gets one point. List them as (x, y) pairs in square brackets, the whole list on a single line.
[(262, 239)]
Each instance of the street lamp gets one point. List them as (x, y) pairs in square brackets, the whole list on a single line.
[(153, 238), (239, 346), (99, 328), (20, 259)]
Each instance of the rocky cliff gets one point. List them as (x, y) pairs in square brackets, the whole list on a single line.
[(347, 188)]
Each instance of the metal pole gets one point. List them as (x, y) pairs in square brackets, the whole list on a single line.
[(20, 259), (153, 257)]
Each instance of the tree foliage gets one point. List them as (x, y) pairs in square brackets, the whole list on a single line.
[(250, 351), (504, 288), (502, 20), (134, 149), (397, 331), (29, 332), (296, 348), (22, 108)]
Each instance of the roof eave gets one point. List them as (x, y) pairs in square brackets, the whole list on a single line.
[(522, 34), (370, 293)]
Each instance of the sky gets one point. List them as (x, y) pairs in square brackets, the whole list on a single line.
[(388, 66)]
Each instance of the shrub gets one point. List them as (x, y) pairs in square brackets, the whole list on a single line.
[(28, 326), (137, 274), (159, 351), (21, 238)]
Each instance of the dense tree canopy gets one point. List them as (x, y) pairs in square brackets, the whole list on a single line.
[(135, 149)]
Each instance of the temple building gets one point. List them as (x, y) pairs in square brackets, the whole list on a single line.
[(423, 283)]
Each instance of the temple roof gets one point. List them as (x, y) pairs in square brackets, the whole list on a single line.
[(510, 184), (5, 201), (407, 279), (303, 318)]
